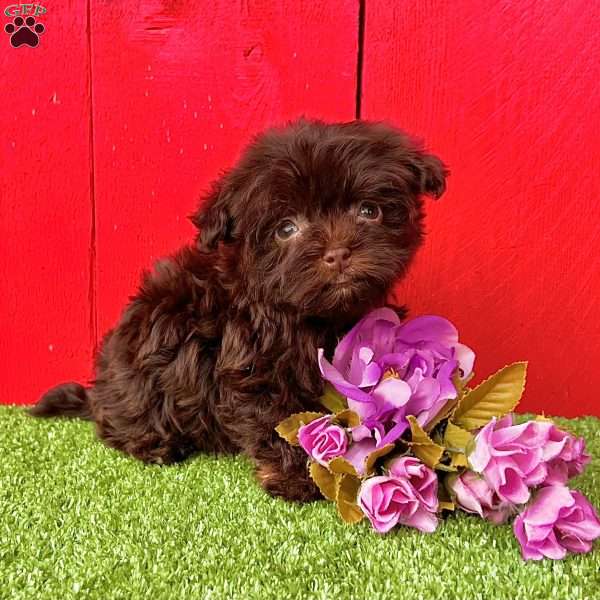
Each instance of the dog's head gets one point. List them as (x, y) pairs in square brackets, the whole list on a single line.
[(323, 218)]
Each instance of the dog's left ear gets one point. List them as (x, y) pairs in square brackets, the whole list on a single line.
[(431, 174), (213, 218)]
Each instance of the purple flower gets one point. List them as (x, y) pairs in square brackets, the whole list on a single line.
[(473, 494), (358, 452), (388, 370), (559, 520), (515, 458), (511, 457), (406, 496), (322, 440), (565, 456)]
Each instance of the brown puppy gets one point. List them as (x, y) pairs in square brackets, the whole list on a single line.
[(304, 236)]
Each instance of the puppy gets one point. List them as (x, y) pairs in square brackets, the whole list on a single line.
[(304, 236)]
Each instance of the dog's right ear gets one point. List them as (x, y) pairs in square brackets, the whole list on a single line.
[(433, 173), (213, 218)]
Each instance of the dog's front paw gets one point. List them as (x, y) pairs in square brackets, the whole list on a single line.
[(295, 486)]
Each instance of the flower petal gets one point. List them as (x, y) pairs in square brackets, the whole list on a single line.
[(422, 519), (428, 328), (466, 358), (392, 393), (551, 548), (481, 455), (358, 452), (465, 497), (394, 433), (331, 374), (378, 325), (547, 504)]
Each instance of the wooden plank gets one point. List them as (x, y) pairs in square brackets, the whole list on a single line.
[(507, 93), (179, 87), (45, 207)]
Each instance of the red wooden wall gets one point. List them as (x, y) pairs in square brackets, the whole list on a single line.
[(507, 92), (46, 204), (116, 122)]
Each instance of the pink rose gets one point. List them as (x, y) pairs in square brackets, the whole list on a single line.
[(406, 496), (565, 456), (559, 520), (473, 494), (322, 440), (511, 457)]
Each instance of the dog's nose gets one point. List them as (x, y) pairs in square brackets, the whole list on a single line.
[(337, 258)]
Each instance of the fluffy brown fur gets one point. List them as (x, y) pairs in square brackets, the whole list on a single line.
[(220, 342)]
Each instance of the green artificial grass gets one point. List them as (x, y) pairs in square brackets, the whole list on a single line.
[(78, 520)]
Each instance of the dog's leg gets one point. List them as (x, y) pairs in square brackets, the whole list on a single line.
[(282, 470), (250, 419)]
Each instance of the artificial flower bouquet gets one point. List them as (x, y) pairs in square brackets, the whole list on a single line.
[(405, 438)]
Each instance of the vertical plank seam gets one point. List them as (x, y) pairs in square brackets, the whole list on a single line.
[(360, 57), (92, 292)]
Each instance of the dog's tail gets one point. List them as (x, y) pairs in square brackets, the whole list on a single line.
[(66, 400)]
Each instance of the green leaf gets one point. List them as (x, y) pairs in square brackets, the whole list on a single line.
[(288, 428), (324, 479), (470, 447), (456, 438), (418, 435), (436, 436), (373, 456), (444, 499), (446, 505), (342, 466), (422, 446), (332, 400), (461, 384), (348, 418), (443, 413), (495, 397), (347, 488), (448, 482), (448, 408), (446, 468), (458, 460)]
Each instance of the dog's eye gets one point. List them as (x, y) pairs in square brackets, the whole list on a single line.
[(287, 229), (369, 211)]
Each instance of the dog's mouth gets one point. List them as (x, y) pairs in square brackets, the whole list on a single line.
[(340, 282), (343, 280), (346, 293), (361, 288), (343, 289)]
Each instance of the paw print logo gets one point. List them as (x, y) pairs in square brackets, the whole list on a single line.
[(24, 32)]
